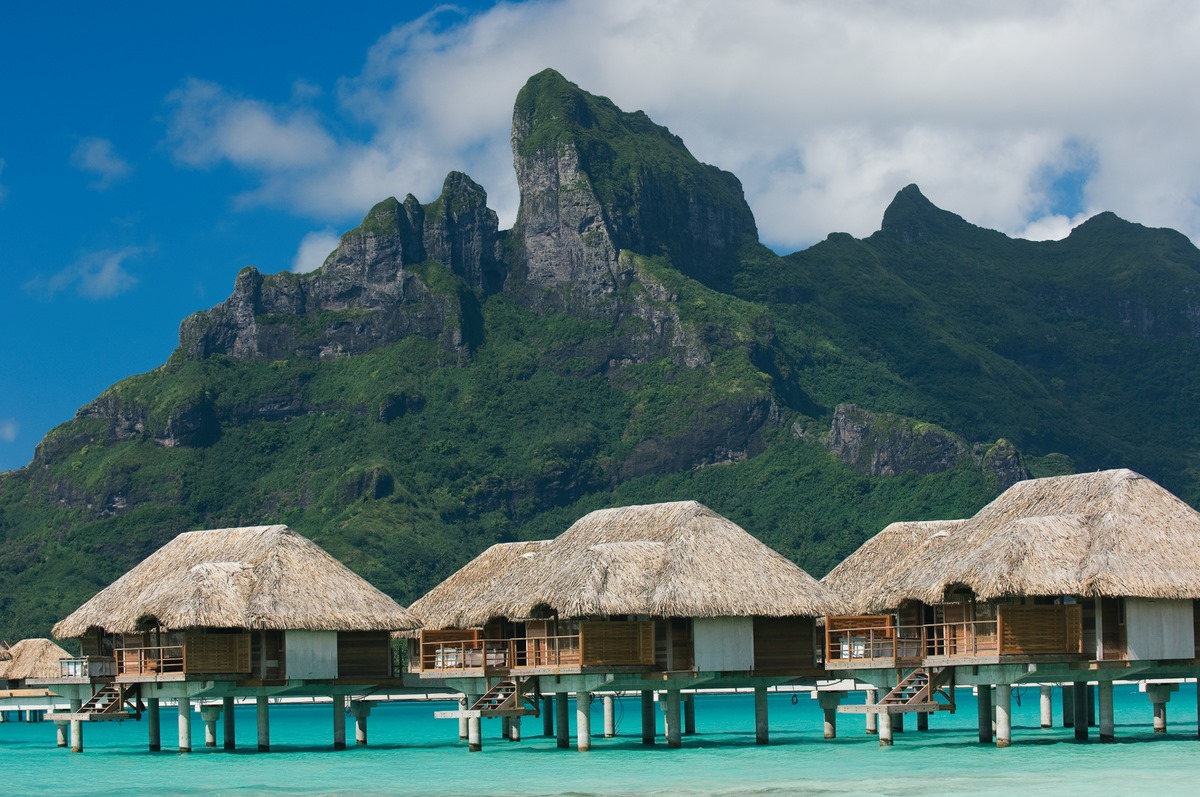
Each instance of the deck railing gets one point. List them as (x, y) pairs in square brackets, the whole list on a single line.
[(150, 660), (88, 667), (503, 654), (875, 640)]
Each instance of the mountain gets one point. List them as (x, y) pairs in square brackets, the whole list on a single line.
[(440, 384)]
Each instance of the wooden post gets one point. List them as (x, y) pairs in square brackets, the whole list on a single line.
[(885, 729), (762, 724), (583, 721), (262, 706), (689, 714), (1079, 699), (152, 727), (210, 715), (829, 702), (474, 728), (339, 722), (983, 701), (185, 725), (548, 715), (76, 727), (230, 729), (1104, 702), (60, 732), (872, 717), (514, 729), (360, 710), (1046, 699), (1159, 694), (671, 717), (1068, 706), (922, 720), (561, 718), (505, 727), (610, 722), (1091, 707), (1003, 715), (898, 723), (463, 705), (649, 722)]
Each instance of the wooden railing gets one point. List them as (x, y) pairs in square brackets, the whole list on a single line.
[(1019, 630), (150, 660), (598, 643), (88, 667)]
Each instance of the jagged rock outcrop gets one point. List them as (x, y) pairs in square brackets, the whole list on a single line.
[(377, 287), (1002, 463), (883, 444), (595, 180)]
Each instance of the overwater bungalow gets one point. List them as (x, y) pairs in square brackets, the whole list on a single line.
[(1071, 579), (654, 598), (227, 613), (29, 658)]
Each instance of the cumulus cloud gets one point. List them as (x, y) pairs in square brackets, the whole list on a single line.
[(96, 157), (97, 275), (9, 429), (314, 248), (824, 110)]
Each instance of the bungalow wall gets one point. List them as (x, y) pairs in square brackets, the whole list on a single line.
[(723, 644), (1159, 629), (312, 655), (784, 644), (364, 654)]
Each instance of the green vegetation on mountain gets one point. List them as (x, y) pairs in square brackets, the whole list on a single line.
[(440, 385)]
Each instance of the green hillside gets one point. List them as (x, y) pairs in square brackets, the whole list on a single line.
[(441, 385)]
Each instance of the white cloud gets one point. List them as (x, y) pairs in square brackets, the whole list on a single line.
[(9, 429), (96, 157), (824, 110), (97, 275), (314, 248)]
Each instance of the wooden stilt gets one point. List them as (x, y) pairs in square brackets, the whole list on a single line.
[(1079, 700), (610, 722), (514, 729), (210, 715), (885, 729), (1068, 706), (1104, 701), (185, 725), (230, 728), (463, 705), (983, 700), (1046, 704), (339, 722), (649, 723), (1003, 715), (689, 714), (474, 728), (360, 710), (76, 730), (548, 715), (562, 710), (872, 718), (671, 718), (262, 710), (152, 726), (762, 725), (583, 721)]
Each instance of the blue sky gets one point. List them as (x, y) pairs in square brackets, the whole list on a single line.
[(148, 151)]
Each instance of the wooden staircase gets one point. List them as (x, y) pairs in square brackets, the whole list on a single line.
[(108, 703), (506, 699), (919, 690)]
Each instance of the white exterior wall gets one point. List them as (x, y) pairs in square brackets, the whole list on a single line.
[(311, 654), (723, 644), (1159, 629)]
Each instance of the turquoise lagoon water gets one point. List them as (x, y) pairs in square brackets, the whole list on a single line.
[(413, 754)]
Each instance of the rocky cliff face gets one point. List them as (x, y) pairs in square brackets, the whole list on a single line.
[(373, 290), (595, 180)]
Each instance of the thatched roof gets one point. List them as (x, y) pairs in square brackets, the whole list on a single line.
[(31, 658), (885, 562), (664, 560), (260, 577), (444, 605), (1113, 533)]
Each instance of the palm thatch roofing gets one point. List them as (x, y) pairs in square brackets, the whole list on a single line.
[(663, 560), (443, 606), (885, 561), (259, 577), (1111, 533), (31, 658)]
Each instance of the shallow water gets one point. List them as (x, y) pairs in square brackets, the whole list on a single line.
[(413, 754)]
